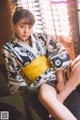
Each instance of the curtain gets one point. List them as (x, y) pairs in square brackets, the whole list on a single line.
[(73, 22)]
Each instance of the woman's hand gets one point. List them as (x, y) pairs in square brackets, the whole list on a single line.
[(60, 98), (60, 85)]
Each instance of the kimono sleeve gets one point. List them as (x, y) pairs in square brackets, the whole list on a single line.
[(13, 71), (57, 54)]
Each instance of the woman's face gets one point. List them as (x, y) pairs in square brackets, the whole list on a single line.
[(23, 30)]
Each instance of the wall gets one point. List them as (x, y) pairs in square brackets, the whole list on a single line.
[(5, 27)]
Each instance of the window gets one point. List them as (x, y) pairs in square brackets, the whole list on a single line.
[(60, 17), (51, 15), (78, 10), (55, 17)]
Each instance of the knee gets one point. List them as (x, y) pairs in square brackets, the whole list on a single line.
[(76, 69), (78, 57), (42, 95), (45, 92)]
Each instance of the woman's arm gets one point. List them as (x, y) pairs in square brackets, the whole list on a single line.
[(57, 54), (16, 81), (60, 79), (59, 59)]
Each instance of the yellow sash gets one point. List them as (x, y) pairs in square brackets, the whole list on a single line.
[(36, 68)]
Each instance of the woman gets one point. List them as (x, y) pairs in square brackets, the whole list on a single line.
[(39, 63)]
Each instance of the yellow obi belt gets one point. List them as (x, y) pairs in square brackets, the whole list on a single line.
[(36, 68)]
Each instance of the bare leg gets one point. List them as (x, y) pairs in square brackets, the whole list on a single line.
[(72, 83), (47, 96), (59, 74), (76, 60)]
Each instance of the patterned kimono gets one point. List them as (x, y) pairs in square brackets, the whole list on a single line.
[(17, 54)]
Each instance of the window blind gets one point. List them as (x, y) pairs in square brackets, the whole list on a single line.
[(51, 15), (60, 17), (55, 17)]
